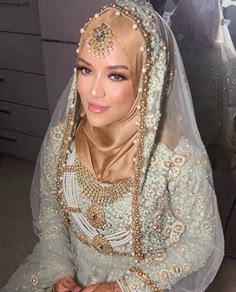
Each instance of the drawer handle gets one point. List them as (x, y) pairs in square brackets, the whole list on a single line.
[(8, 138), (2, 79), (16, 2), (5, 111)]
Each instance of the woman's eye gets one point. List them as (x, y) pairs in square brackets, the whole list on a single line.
[(117, 77), (84, 70)]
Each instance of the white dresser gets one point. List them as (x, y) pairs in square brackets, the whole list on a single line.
[(24, 114)]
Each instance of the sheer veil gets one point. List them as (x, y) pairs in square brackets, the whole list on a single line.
[(166, 117), (209, 57), (58, 117), (228, 54)]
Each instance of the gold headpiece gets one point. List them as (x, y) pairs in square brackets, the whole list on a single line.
[(100, 43)]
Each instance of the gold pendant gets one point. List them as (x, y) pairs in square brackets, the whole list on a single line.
[(102, 244), (96, 216)]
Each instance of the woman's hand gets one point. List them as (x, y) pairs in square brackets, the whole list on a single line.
[(67, 284), (103, 287)]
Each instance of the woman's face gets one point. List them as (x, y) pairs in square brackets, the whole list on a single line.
[(105, 86)]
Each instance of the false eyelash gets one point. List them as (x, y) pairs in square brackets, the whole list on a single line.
[(118, 75), (82, 68), (79, 68)]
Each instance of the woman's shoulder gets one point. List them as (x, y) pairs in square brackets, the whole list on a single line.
[(195, 157), (185, 158), (184, 148), (54, 137)]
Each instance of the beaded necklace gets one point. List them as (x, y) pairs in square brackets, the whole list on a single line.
[(99, 194)]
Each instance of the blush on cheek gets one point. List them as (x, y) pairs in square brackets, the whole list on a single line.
[(124, 96), (81, 91), (79, 87)]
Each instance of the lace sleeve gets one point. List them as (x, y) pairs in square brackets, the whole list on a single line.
[(197, 252)]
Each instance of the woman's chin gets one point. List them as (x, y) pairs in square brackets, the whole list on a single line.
[(97, 122)]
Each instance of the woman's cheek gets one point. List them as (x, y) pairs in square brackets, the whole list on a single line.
[(81, 87), (123, 95)]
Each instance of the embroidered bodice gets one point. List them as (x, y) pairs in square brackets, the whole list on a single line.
[(106, 224)]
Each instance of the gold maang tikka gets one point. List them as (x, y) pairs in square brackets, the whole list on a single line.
[(100, 43)]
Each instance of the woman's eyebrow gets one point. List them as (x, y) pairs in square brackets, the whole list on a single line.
[(109, 67), (118, 67), (84, 61)]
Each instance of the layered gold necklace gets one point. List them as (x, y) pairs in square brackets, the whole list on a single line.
[(100, 194)]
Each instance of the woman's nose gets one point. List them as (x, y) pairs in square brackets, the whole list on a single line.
[(97, 88)]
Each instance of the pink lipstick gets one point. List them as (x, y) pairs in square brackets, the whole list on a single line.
[(96, 108)]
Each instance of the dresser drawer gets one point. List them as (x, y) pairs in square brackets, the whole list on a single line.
[(21, 52), (23, 119), (18, 144), (19, 16), (23, 88), (64, 22), (60, 59)]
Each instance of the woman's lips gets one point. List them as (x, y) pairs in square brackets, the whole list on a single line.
[(96, 108)]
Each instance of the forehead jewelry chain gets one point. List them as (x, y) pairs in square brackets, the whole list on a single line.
[(100, 43)]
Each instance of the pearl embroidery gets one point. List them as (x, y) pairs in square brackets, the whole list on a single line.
[(34, 280)]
